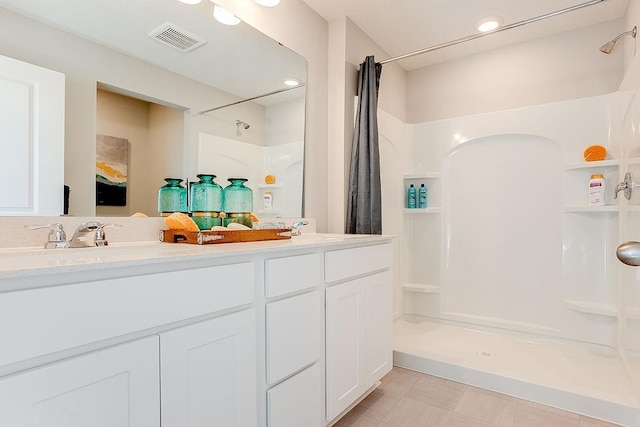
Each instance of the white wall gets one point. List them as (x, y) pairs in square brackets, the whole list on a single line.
[(349, 47), (555, 68), (284, 122), (628, 48)]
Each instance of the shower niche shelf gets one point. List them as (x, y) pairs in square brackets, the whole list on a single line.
[(421, 288), (576, 184), (432, 182)]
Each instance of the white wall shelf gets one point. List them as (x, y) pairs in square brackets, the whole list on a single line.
[(423, 211), (430, 175), (590, 209), (270, 186), (591, 307), (592, 165), (421, 288)]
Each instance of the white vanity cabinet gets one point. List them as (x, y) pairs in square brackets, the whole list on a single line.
[(116, 387), (208, 372), (281, 334), (358, 323)]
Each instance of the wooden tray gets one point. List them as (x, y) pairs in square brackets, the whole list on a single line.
[(222, 236)]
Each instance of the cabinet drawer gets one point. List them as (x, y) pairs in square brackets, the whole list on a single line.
[(43, 321), (294, 334), (347, 263), (297, 401), (291, 274)]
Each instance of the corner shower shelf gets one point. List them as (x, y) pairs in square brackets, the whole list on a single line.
[(591, 307), (422, 211), (595, 209), (270, 186), (431, 175), (591, 165), (421, 288)]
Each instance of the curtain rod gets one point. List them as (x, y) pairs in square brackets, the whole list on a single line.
[(497, 30), (252, 98)]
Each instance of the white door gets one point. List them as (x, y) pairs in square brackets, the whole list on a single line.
[(31, 139), (297, 402), (378, 323), (345, 346), (116, 387), (208, 373)]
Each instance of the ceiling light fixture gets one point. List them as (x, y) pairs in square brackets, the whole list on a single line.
[(292, 81), (488, 23), (267, 3), (190, 1), (224, 16)]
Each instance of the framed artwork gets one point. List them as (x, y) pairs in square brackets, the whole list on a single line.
[(112, 158)]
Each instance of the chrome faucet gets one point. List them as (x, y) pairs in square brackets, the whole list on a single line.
[(296, 227), (57, 238), (90, 234)]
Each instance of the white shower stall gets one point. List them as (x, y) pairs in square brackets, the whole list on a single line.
[(509, 280)]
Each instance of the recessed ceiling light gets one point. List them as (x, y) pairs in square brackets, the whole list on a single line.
[(488, 23), (292, 81), (268, 3), (224, 16), (190, 1)]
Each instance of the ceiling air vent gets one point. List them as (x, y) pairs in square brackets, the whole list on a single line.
[(176, 37)]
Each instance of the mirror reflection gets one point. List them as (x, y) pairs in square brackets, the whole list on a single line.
[(121, 83)]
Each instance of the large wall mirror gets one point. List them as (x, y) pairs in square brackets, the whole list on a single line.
[(171, 108)]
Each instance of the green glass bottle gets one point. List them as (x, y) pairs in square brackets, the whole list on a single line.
[(237, 202), (206, 202), (172, 197)]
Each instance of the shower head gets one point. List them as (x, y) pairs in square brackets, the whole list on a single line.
[(608, 47), (243, 124), (240, 124)]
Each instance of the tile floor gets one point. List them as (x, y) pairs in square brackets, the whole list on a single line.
[(412, 399)]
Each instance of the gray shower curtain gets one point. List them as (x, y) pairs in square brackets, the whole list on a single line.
[(364, 209)]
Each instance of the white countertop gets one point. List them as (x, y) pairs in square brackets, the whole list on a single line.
[(29, 262)]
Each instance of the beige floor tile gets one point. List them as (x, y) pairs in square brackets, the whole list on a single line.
[(458, 420), (353, 419), (436, 391), (488, 407), (530, 414), (378, 404), (398, 381), (411, 413), (592, 422)]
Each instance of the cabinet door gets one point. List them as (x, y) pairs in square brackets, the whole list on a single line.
[(208, 373), (378, 324), (297, 402), (116, 387), (345, 332), (31, 138)]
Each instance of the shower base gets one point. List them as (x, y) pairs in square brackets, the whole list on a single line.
[(587, 379)]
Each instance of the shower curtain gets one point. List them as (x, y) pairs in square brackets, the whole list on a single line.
[(364, 209)]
